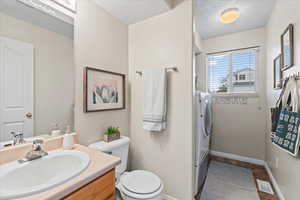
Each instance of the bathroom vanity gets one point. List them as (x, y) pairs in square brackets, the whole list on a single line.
[(102, 188), (91, 173)]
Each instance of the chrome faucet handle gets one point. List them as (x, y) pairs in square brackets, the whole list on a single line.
[(21, 138), (14, 138), (18, 138), (37, 144), (38, 141), (20, 134), (36, 152)]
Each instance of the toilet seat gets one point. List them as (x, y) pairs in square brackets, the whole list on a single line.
[(140, 184)]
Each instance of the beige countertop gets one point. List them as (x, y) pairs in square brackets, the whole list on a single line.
[(100, 163)]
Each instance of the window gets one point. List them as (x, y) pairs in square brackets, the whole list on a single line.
[(232, 72)]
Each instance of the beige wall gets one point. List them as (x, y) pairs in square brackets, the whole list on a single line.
[(53, 72), (164, 40), (287, 172), (240, 129), (101, 41)]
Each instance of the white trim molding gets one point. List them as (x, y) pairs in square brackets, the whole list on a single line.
[(252, 161), (51, 8), (238, 157), (274, 182)]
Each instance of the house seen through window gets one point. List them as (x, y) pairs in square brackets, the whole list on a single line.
[(242, 77), (233, 72)]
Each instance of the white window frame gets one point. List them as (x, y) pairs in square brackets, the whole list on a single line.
[(244, 94)]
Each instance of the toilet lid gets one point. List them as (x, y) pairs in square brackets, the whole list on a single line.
[(141, 182)]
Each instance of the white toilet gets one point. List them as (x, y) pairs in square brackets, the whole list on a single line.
[(134, 185)]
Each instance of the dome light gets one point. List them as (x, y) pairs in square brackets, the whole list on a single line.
[(230, 15)]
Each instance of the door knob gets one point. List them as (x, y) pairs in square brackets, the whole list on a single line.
[(29, 115)]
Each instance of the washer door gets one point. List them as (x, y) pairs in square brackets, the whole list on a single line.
[(207, 115)]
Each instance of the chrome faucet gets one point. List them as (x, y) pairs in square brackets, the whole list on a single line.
[(18, 138), (36, 152)]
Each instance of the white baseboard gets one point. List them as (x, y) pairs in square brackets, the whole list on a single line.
[(238, 157), (274, 182), (253, 161)]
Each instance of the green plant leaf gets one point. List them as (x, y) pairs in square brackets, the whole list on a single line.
[(112, 130)]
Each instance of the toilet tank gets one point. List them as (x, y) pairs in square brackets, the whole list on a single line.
[(118, 148)]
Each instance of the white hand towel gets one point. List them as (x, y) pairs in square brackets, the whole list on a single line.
[(155, 98)]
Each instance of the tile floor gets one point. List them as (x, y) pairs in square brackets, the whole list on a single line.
[(233, 180), (229, 182), (259, 172)]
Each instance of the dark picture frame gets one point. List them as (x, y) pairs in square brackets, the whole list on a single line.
[(287, 47), (103, 90), (277, 66)]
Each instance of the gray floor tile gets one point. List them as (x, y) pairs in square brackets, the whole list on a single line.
[(229, 182), (239, 176)]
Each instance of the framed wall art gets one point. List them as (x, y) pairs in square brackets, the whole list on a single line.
[(287, 47), (103, 90), (277, 73)]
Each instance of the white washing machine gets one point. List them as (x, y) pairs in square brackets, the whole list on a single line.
[(204, 121)]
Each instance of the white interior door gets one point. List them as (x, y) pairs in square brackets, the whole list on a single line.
[(16, 88)]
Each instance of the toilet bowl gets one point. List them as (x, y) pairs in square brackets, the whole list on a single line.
[(134, 185), (140, 184)]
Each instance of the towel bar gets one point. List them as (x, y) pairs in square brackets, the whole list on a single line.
[(174, 69)]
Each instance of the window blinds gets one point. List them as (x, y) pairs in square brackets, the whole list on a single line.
[(232, 72)]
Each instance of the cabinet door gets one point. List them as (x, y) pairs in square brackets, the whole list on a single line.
[(102, 188)]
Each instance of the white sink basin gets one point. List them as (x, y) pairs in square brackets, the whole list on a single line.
[(20, 180)]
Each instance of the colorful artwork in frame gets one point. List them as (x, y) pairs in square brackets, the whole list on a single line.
[(103, 90)]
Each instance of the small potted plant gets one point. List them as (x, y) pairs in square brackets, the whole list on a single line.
[(111, 134)]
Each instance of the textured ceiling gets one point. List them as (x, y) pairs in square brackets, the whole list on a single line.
[(254, 14), (133, 11)]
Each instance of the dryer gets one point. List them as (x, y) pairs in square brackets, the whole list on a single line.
[(204, 122)]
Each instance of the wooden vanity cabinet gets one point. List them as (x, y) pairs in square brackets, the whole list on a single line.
[(102, 188)]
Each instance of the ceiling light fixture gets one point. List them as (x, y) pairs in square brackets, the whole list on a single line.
[(230, 15)]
